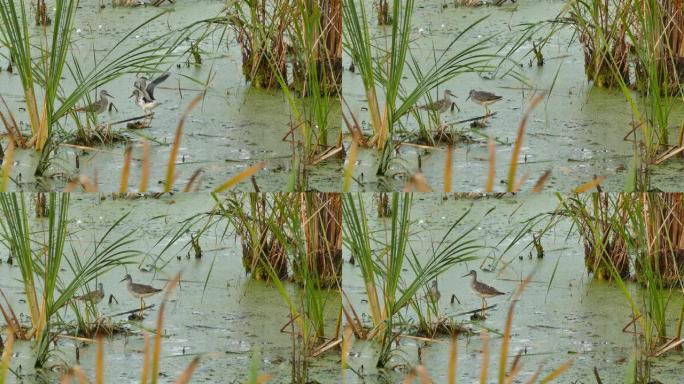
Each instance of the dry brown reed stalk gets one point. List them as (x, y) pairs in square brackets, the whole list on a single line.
[(171, 167), (7, 161), (185, 377), (421, 373), (491, 175), (240, 177), (351, 163), (484, 369), (145, 167), (556, 372), (12, 321), (503, 357), (194, 181), (156, 353), (125, 172), (448, 168), (6, 355), (99, 362), (146, 359), (519, 140), (453, 350), (539, 185), (82, 181), (321, 217), (589, 185), (536, 374), (353, 318), (664, 215), (417, 182), (11, 126), (75, 372), (346, 345)]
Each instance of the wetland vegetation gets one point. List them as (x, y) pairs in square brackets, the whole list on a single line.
[(261, 208), (319, 287)]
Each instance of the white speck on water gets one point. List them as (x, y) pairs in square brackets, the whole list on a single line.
[(99, 26), (443, 26), (421, 221), (78, 30), (137, 36), (421, 30), (78, 222)]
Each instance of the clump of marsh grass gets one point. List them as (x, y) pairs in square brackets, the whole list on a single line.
[(634, 45), (648, 230), (261, 28), (383, 70), (40, 267), (387, 288), (294, 237), (43, 76)]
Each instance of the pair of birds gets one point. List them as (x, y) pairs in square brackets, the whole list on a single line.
[(483, 98), (142, 90), (479, 288), (136, 290)]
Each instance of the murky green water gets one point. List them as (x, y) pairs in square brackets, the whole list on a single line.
[(233, 128), (577, 132)]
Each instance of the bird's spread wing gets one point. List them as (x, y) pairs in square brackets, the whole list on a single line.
[(154, 83)]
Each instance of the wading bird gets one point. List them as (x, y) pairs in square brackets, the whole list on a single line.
[(483, 98), (139, 290), (481, 289)]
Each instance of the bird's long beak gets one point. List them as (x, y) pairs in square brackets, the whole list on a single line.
[(467, 98), (467, 274), (132, 94), (108, 95), (122, 280)]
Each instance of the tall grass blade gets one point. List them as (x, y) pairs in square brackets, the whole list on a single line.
[(7, 161), (128, 156), (171, 166), (240, 177), (518, 142), (453, 350), (6, 355)]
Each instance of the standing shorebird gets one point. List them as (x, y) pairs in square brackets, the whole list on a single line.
[(481, 289), (139, 290), (93, 296), (98, 106), (484, 98), (144, 93), (441, 105), (434, 294)]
